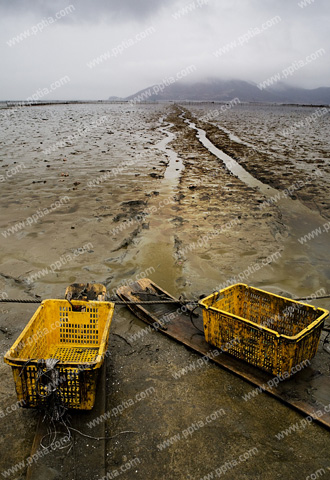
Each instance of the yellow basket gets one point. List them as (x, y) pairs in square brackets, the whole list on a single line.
[(271, 332), (75, 333)]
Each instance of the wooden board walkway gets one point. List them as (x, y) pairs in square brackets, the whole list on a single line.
[(307, 391)]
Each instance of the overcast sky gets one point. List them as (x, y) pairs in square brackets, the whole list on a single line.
[(145, 42)]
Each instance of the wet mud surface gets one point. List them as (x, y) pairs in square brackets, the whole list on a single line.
[(146, 198), (277, 145)]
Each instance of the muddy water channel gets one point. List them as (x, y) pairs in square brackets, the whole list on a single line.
[(298, 219)]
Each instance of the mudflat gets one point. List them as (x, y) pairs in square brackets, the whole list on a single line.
[(112, 193)]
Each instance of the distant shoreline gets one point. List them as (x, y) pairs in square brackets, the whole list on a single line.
[(22, 103)]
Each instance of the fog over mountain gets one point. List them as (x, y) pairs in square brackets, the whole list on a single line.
[(217, 90)]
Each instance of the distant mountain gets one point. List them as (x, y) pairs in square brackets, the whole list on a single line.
[(216, 90)]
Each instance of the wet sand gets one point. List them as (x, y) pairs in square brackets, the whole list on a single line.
[(169, 209)]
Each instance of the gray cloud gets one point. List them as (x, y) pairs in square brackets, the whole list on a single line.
[(86, 10), (184, 32)]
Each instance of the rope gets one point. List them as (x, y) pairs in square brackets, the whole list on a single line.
[(154, 302), (7, 300), (315, 298), (117, 302), (143, 302), (191, 313)]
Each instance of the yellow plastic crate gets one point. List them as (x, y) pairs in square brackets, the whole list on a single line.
[(77, 337), (271, 332)]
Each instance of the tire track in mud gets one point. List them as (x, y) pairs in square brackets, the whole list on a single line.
[(304, 181), (296, 217), (151, 244)]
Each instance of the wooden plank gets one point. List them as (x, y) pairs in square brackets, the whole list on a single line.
[(294, 392)]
